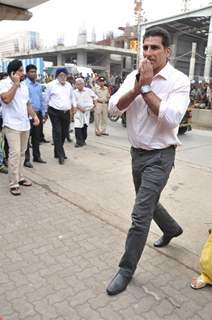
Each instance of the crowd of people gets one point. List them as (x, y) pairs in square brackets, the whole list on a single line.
[(25, 108), (201, 95)]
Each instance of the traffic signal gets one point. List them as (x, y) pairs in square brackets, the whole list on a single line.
[(134, 44)]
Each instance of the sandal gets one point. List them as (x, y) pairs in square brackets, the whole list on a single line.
[(25, 183), (15, 191), (197, 283)]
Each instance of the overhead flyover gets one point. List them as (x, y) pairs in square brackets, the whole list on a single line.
[(191, 34), (18, 9)]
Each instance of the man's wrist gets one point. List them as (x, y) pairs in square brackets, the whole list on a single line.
[(146, 88)]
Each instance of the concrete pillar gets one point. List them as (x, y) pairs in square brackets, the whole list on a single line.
[(208, 52), (126, 44), (82, 58), (192, 61), (174, 50), (173, 54), (107, 63), (59, 59)]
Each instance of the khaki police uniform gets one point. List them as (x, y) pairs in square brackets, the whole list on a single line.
[(101, 110)]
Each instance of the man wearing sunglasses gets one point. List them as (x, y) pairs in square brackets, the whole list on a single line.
[(155, 98)]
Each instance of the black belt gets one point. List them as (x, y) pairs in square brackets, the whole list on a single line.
[(172, 146), (56, 110)]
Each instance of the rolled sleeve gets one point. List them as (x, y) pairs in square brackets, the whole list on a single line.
[(3, 87), (112, 106), (127, 85), (174, 107)]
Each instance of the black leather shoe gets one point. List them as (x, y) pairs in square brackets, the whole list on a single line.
[(69, 139), (77, 145), (118, 284), (4, 170), (61, 160), (39, 160), (28, 164), (165, 239)]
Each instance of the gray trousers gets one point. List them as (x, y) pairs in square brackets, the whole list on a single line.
[(150, 170)]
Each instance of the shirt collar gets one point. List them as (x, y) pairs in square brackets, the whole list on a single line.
[(9, 80), (81, 90), (28, 81), (165, 72), (58, 82)]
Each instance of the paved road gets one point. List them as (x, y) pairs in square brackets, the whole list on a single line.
[(99, 174), (62, 239)]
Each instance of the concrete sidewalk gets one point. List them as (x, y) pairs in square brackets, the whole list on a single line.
[(57, 259), (60, 248)]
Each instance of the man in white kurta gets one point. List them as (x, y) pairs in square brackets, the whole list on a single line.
[(85, 100)]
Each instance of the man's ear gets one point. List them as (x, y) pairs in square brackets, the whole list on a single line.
[(168, 53)]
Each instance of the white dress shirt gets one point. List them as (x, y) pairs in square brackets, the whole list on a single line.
[(59, 96), (145, 129), (15, 114), (84, 99)]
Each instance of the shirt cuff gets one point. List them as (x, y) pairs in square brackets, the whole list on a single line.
[(162, 109)]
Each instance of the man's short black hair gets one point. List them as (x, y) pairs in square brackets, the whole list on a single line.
[(13, 66), (30, 67), (158, 32)]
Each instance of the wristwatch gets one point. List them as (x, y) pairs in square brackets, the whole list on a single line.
[(145, 89)]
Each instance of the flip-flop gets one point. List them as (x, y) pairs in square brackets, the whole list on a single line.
[(15, 191), (197, 283), (25, 183)]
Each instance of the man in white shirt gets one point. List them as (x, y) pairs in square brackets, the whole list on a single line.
[(85, 100), (16, 108), (3, 168), (155, 100), (59, 99)]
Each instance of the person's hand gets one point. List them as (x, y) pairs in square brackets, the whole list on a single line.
[(15, 78), (36, 121), (81, 109), (146, 72)]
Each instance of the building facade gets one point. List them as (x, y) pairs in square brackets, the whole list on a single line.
[(20, 42)]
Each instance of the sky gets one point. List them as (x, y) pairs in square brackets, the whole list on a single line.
[(64, 18)]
